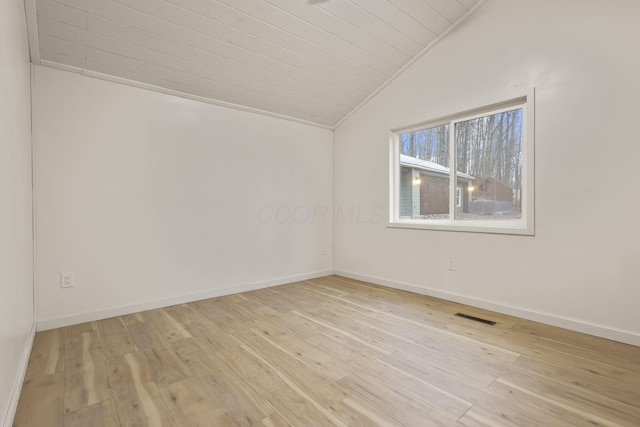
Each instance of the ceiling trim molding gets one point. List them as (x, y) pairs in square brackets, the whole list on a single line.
[(410, 63), (154, 88), (32, 30)]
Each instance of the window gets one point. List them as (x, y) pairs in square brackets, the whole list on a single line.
[(471, 171)]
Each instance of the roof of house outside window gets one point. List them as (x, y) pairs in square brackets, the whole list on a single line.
[(430, 166)]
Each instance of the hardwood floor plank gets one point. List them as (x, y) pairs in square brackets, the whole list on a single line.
[(253, 306), (168, 367), (234, 397), (547, 411), (204, 416), (336, 331), (478, 417), (198, 325), (450, 380), (120, 375), (77, 346), (356, 412), (88, 384), (227, 317), (114, 337), (275, 420), (357, 287), (393, 325), (394, 302), (316, 359), (86, 377), (167, 327), (292, 297), (192, 405), (291, 402), (590, 355), (435, 397), (329, 351), (590, 342), (145, 336), (287, 324), (319, 387), (331, 283), (132, 319), (401, 407), (508, 340), (424, 334), (350, 352), (47, 354), (136, 396), (70, 331), (477, 370), (464, 347), (590, 368), (571, 395), (102, 414), (588, 379), (271, 298), (183, 396), (41, 402), (381, 339)]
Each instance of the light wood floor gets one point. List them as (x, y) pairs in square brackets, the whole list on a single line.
[(325, 352)]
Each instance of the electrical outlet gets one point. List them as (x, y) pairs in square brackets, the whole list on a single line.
[(67, 280), (451, 264), (324, 251)]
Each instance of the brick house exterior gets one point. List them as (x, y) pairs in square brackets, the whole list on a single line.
[(424, 188)]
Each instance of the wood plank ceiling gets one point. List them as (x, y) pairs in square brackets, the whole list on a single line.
[(310, 60)]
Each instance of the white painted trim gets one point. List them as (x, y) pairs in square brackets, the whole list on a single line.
[(59, 322), (529, 152), (17, 385), (32, 30), (511, 228), (552, 319), (32, 97), (154, 88), (58, 66), (410, 63)]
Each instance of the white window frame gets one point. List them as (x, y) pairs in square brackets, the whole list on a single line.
[(458, 196), (522, 226)]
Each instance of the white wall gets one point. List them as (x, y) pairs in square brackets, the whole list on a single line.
[(581, 268), (16, 248), (153, 199)]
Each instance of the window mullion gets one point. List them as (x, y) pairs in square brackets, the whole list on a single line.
[(452, 171)]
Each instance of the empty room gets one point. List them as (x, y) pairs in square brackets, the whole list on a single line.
[(266, 213)]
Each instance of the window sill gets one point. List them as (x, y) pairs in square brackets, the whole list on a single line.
[(494, 227)]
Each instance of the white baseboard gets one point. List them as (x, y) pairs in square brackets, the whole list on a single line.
[(17, 386), (626, 337), (74, 319)]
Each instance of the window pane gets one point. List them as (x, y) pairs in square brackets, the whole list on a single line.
[(424, 173), (489, 166)]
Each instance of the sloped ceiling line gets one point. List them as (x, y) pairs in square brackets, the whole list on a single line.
[(314, 62)]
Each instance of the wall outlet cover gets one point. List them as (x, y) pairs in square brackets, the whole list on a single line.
[(67, 280)]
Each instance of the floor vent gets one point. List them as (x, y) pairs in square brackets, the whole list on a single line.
[(477, 319)]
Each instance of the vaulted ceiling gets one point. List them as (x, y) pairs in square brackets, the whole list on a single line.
[(310, 60)]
